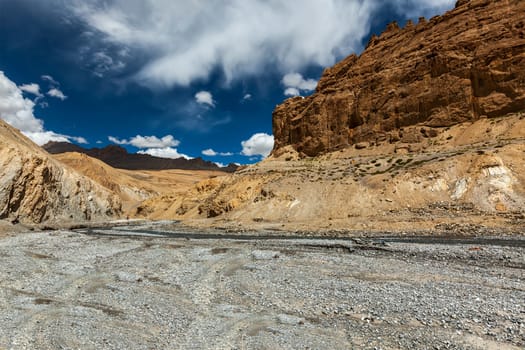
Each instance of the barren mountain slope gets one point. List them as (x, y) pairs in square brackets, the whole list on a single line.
[(471, 174), (34, 188), (424, 129), (135, 186)]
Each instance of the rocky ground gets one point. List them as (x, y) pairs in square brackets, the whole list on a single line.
[(137, 288)]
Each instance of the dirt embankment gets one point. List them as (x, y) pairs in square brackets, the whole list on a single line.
[(471, 174)]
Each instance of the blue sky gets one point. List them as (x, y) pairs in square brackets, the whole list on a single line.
[(175, 77)]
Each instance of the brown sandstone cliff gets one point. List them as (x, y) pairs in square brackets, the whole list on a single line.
[(34, 188), (411, 82)]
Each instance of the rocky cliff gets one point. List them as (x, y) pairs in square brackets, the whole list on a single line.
[(34, 188), (412, 82)]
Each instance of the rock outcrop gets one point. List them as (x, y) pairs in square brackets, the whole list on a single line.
[(34, 188), (118, 157), (411, 82)]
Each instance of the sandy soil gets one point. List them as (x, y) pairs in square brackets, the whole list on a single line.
[(136, 186), (471, 174)]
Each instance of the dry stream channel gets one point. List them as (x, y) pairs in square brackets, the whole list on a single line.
[(142, 287)]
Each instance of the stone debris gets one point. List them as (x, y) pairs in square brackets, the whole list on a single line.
[(63, 289)]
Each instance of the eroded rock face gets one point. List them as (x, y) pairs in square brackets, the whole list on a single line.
[(408, 83), (35, 188)]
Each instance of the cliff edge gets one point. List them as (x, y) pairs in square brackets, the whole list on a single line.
[(410, 83)]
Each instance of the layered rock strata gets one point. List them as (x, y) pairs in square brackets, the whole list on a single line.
[(411, 82), (34, 188)]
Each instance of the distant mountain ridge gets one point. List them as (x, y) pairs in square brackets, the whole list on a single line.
[(118, 157)]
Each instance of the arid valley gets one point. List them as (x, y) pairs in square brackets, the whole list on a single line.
[(388, 212)]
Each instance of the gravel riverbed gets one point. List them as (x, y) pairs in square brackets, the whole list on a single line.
[(114, 290)]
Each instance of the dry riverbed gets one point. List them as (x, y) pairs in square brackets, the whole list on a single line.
[(129, 288)]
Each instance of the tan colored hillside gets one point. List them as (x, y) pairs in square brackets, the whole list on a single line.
[(35, 188), (135, 186), (471, 174), (424, 129)]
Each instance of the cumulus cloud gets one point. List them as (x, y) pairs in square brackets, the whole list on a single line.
[(55, 92), (184, 41), (211, 153), (19, 112), (147, 141), (32, 88), (292, 92), (296, 80), (154, 146), (79, 139), (205, 98), (259, 144), (166, 152), (187, 40), (294, 84)]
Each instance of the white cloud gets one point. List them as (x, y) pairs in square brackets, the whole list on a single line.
[(247, 97), (147, 141), (117, 141), (211, 153), (184, 41), (295, 84), (43, 137), (205, 98), (101, 62), (296, 80), (55, 92), (292, 92), (50, 80), (259, 144), (79, 139), (15, 109), (19, 112), (154, 146), (33, 89), (166, 152)]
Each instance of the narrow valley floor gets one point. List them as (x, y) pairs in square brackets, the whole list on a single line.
[(127, 288)]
